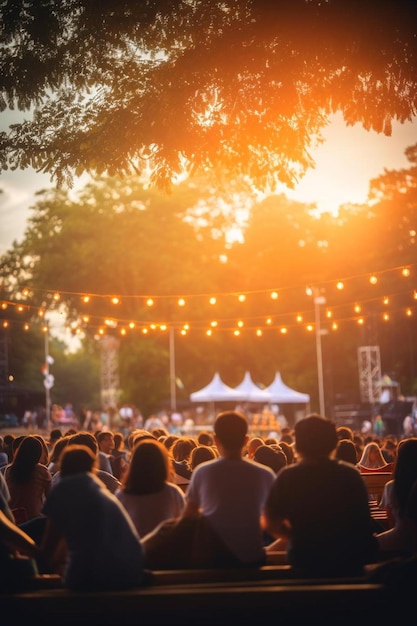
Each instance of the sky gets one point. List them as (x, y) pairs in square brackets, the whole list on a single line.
[(345, 163)]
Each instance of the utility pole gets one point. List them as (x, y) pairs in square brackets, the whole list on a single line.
[(318, 300), (172, 377)]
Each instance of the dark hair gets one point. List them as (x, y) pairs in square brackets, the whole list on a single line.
[(288, 450), (205, 438), (344, 432), (77, 459), (170, 440), (137, 435), (231, 428), (26, 458), (119, 439), (270, 456), (59, 445), (149, 468), (315, 436), (200, 454), (103, 434), (346, 451), (56, 433), (84, 438), (181, 448)]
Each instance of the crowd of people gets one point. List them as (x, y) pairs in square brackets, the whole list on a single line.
[(101, 508)]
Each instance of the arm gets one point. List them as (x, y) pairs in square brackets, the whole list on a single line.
[(190, 510), (53, 550), (15, 538)]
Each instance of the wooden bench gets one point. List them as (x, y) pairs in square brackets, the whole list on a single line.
[(204, 603), (375, 483)]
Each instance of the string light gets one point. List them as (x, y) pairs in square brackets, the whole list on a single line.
[(248, 323)]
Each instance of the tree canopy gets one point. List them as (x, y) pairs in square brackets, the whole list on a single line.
[(117, 238), (230, 87)]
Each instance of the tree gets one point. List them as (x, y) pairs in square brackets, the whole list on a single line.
[(231, 87)]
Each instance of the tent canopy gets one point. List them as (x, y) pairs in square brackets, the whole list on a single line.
[(283, 394), (215, 391), (248, 391)]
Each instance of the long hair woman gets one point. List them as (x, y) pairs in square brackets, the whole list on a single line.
[(147, 493), (28, 479)]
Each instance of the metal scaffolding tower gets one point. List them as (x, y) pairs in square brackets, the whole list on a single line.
[(109, 371), (369, 363)]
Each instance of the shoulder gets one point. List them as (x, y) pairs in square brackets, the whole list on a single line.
[(262, 470), (43, 472)]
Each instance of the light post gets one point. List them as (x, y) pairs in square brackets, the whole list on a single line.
[(318, 300), (48, 378), (172, 377)]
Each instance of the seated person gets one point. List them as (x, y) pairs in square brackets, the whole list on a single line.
[(321, 506), (89, 529)]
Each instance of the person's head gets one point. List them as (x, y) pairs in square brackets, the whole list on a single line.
[(205, 438), (286, 438), (344, 432), (315, 436), (170, 440), (372, 456), (200, 454), (181, 448), (149, 468), (26, 457), (77, 459), (55, 434), (84, 438), (119, 441), (346, 451), (8, 445), (252, 445), (137, 435), (231, 430), (45, 451), (272, 457), (59, 445), (105, 441), (288, 450)]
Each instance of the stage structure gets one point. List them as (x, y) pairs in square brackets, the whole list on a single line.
[(109, 371), (369, 363)]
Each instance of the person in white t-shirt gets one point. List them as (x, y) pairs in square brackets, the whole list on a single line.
[(231, 491)]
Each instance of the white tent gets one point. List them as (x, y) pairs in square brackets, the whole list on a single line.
[(215, 391), (282, 394), (248, 391)]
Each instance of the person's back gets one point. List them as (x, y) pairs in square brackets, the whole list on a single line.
[(399, 540), (321, 505), (104, 550), (231, 491)]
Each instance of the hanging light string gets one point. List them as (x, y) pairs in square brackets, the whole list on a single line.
[(337, 313)]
